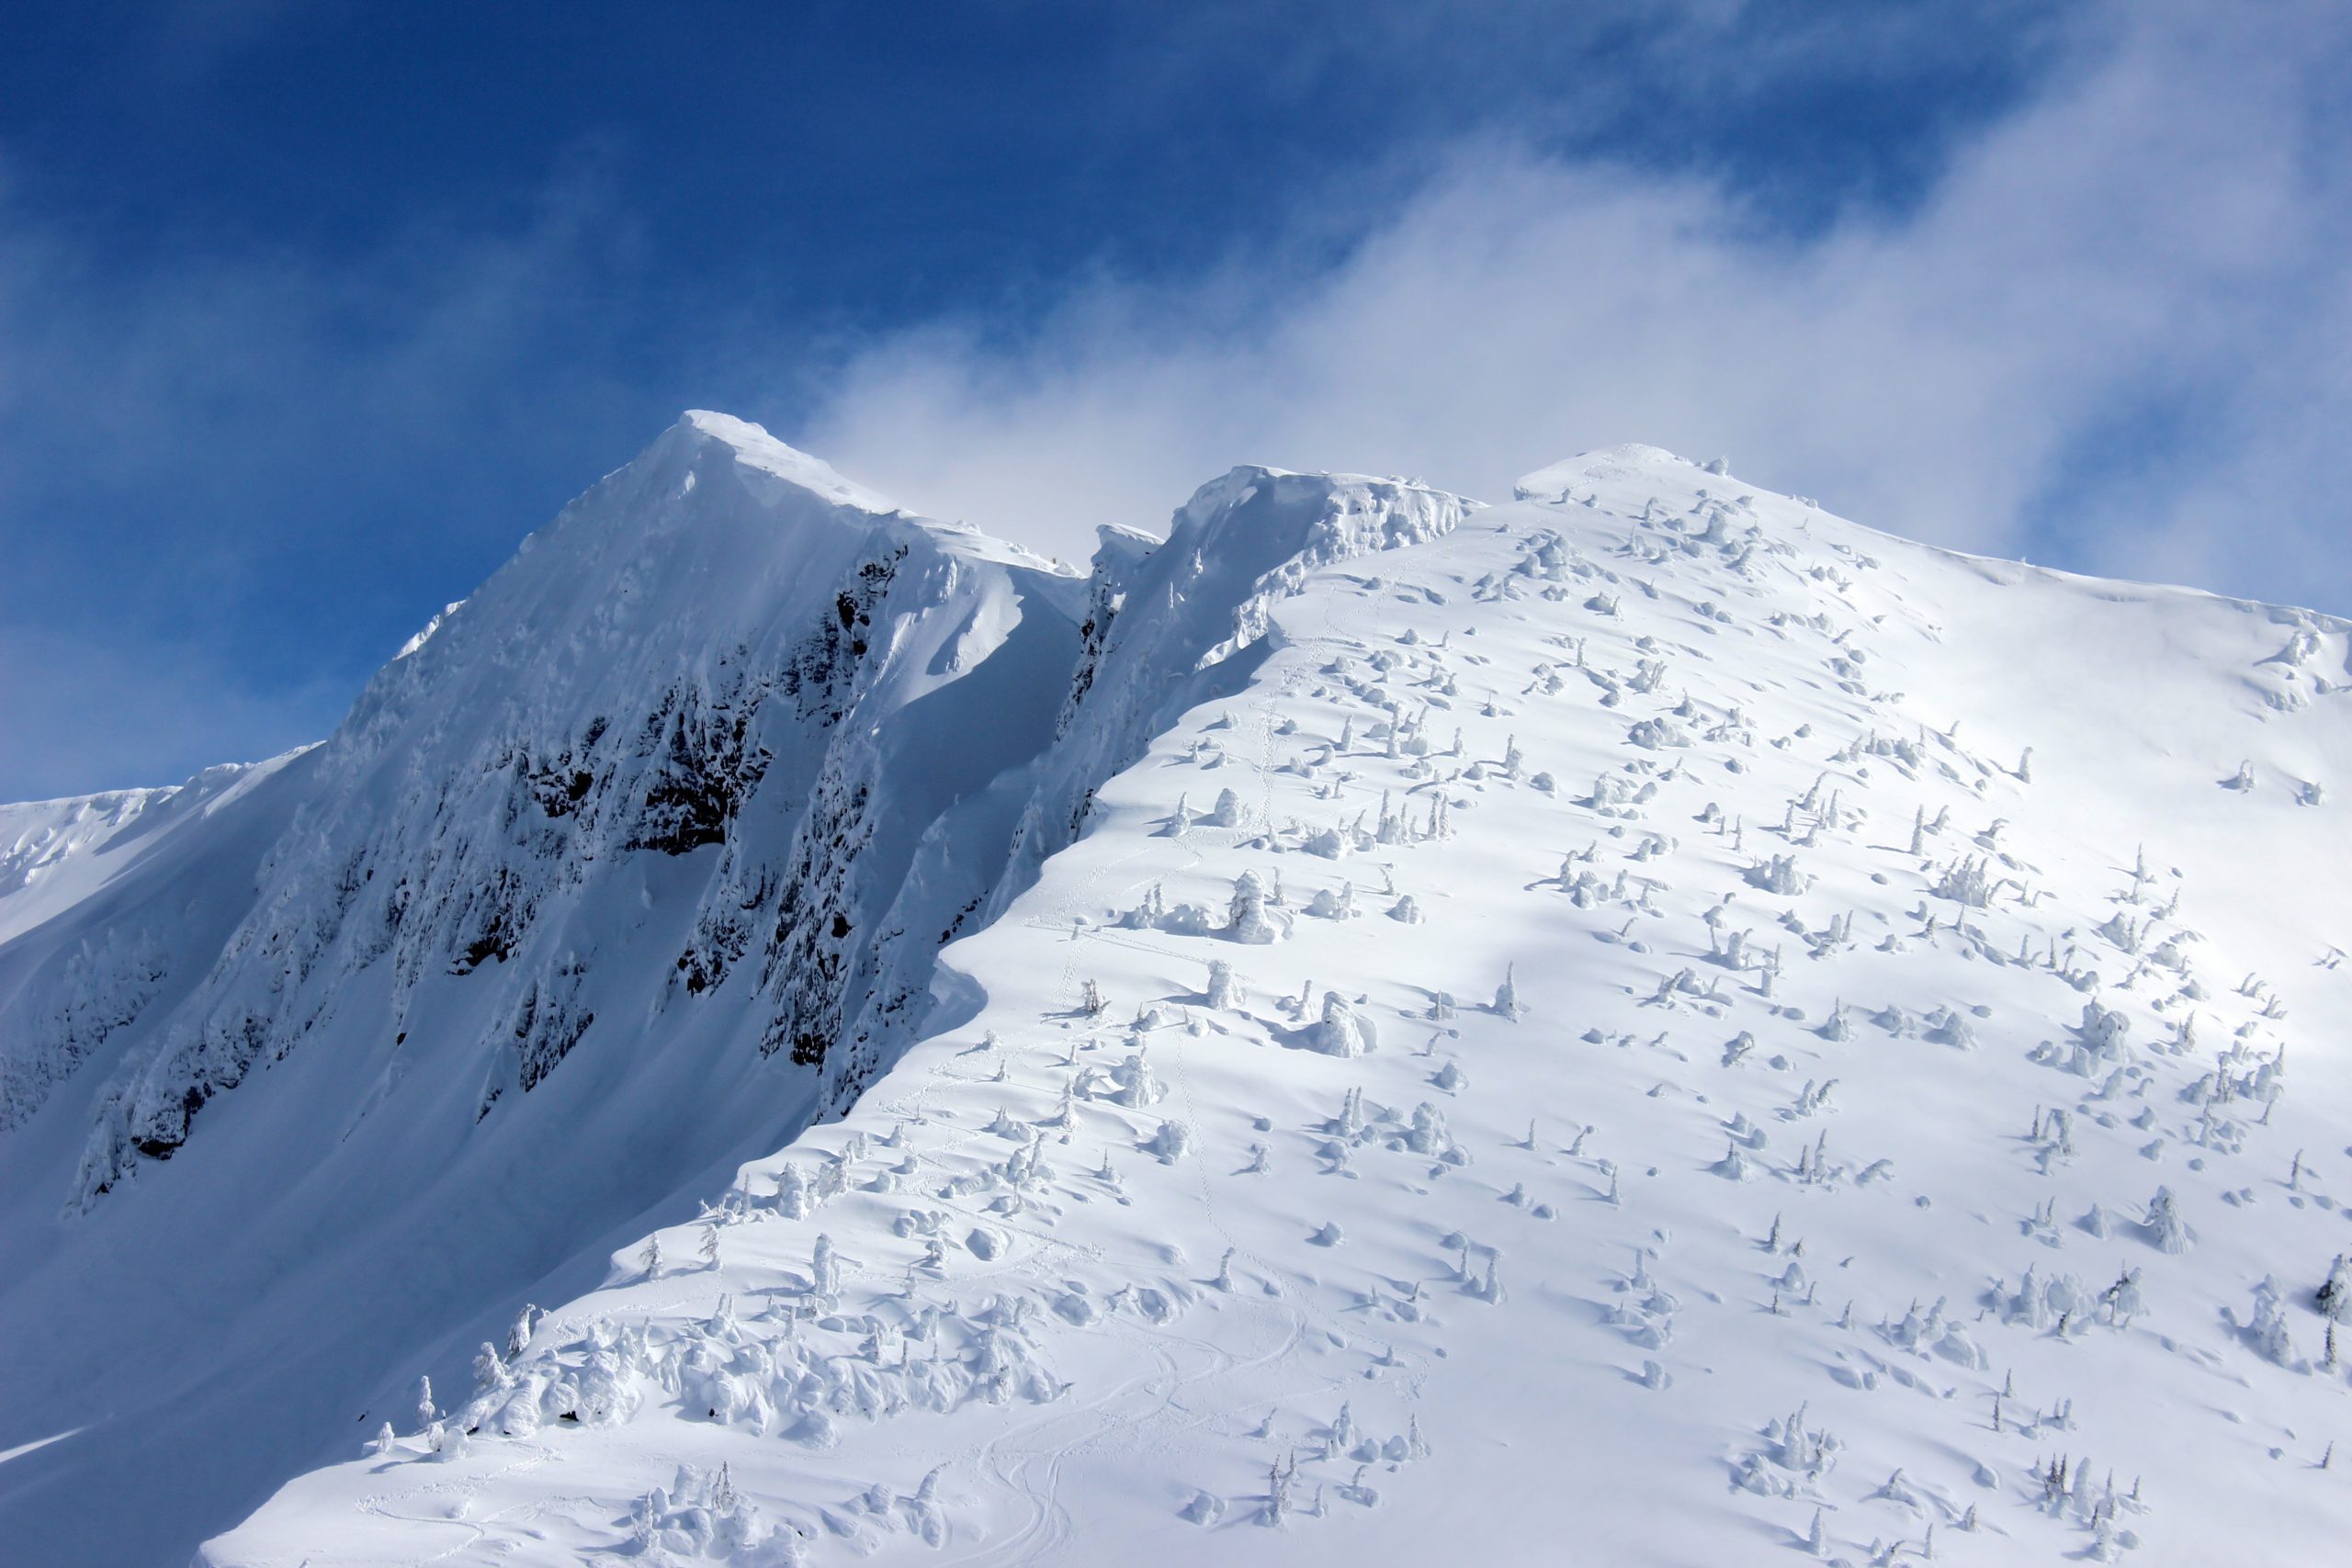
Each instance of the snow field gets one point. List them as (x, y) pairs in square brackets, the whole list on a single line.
[(1715, 1167)]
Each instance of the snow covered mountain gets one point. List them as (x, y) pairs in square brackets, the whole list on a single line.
[(1647, 1022)]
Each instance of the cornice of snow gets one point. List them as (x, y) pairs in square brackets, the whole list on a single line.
[(754, 447)]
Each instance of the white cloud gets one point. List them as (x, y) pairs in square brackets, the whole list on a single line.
[(2112, 335)]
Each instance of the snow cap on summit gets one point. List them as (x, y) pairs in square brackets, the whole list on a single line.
[(1554, 483), (756, 448)]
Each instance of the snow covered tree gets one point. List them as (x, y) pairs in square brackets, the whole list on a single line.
[(1341, 1032), (2164, 1225), (1507, 1002), (1248, 921), (489, 1369), (824, 1268), (1278, 1503), (792, 1192)]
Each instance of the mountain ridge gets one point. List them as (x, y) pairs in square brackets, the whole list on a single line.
[(1338, 677), (657, 779)]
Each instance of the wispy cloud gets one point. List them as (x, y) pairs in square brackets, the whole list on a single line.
[(2107, 327), (2112, 336)]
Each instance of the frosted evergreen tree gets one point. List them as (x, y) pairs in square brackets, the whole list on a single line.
[(1507, 1002), (710, 1246), (519, 1337), (2123, 1299), (824, 1268), (1223, 990), (650, 1260), (2336, 1294), (791, 1192), (425, 1413), (2164, 1225), (1341, 1032), (489, 1369), (382, 1446), (1248, 921), (1278, 1493)]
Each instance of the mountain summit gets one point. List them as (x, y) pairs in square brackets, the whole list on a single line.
[(1646, 1022)]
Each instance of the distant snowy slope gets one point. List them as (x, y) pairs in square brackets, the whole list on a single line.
[(53, 853), (1647, 1024)]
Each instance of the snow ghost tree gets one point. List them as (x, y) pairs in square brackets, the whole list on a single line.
[(1223, 990), (519, 1337), (791, 1192), (2164, 1225), (2335, 1296), (824, 1268), (1248, 921), (1507, 1002), (1341, 1032)]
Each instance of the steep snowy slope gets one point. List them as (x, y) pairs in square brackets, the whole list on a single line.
[(1647, 1024), (630, 864)]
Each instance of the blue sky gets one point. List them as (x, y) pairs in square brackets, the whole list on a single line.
[(311, 309)]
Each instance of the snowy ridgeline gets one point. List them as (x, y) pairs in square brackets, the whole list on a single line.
[(630, 865), (1649, 1023)]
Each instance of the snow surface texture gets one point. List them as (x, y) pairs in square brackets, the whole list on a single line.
[(1575, 1026)]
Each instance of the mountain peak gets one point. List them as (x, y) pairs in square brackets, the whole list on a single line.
[(1554, 481), (755, 448)]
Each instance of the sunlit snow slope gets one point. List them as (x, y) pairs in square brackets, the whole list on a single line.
[(1644, 1025), (628, 868)]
